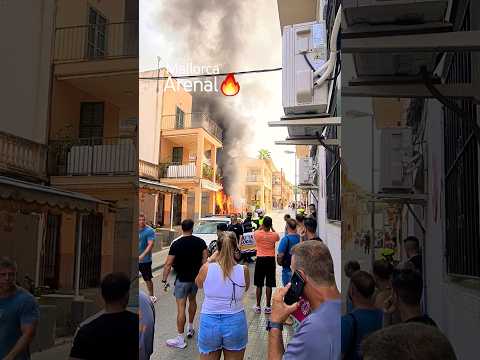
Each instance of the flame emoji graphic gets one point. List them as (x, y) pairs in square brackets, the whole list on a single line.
[(230, 87)]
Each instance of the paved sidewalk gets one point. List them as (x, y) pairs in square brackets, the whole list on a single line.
[(165, 308), (60, 352)]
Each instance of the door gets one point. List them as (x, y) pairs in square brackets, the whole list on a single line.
[(97, 40), (91, 251), (191, 205), (177, 155), (179, 119), (91, 120), (205, 203), (177, 209), (160, 209), (50, 261)]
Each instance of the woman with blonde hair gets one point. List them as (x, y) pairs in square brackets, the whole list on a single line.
[(223, 323)]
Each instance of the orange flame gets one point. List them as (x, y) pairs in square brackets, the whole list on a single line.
[(230, 87), (224, 204)]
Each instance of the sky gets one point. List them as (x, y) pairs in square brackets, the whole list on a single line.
[(236, 36)]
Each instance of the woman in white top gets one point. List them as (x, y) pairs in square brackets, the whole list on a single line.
[(223, 324)]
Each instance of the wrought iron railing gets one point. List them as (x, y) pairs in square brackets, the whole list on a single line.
[(192, 121), (96, 41), (21, 156), (93, 156)]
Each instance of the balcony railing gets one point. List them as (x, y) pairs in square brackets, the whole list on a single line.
[(22, 157), (254, 178), (148, 170), (93, 156), (173, 171), (94, 42), (192, 121)]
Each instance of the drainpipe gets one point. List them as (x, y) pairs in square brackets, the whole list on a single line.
[(171, 212)]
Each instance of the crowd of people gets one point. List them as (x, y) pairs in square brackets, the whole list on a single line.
[(222, 271), (384, 313)]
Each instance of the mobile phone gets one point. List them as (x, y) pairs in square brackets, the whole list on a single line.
[(297, 284)]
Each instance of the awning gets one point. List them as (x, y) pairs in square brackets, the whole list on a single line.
[(37, 196), (158, 186)]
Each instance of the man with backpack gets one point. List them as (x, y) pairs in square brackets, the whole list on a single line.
[(284, 257)]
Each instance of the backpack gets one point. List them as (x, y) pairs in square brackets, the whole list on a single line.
[(352, 347), (287, 257)]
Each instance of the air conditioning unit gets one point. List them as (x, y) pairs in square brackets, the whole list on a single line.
[(304, 48), (400, 12), (396, 152), (306, 171)]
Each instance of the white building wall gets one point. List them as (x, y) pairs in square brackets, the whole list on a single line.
[(455, 307), (27, 29), (328, 231)]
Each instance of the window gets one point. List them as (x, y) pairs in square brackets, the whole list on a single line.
[(91, 120), (461, 177), (97, 40), (179, 119), (177, 155), (333, 178)]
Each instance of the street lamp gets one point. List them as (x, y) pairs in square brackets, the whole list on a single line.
[(361, 114), (295, 165)]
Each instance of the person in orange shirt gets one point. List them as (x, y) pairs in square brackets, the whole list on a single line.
[(265, 267)]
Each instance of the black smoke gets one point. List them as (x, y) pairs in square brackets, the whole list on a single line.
[(209, 33)]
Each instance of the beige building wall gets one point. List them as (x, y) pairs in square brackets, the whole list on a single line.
[(26, 54), (72, 13), (66, 104)]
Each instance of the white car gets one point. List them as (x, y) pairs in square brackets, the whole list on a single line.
[(206, 228)]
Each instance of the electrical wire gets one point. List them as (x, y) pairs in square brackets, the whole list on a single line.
[(210, 75), (308, 61)]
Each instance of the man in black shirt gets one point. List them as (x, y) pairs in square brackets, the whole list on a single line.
[(311, 229), (112, 333), (412, 249), (236, 227), (186, 256), (407, 286)]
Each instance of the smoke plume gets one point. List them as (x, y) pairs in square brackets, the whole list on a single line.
[(209, 32)]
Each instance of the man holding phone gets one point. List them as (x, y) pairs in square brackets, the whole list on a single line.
[(318, 337)]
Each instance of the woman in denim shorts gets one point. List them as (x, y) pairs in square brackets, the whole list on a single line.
[(223, 324)]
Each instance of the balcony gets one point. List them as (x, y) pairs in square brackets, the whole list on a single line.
[(93, 156), (254, 178), (148, 170), (178, 171), (19, 156), (193, 121), (96, 42)]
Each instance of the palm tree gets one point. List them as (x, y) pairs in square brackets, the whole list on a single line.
[(264, 154)]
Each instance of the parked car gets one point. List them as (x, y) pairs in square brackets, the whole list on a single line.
[(206, 228)]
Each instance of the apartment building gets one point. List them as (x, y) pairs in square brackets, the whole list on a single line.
[(178, 149), (256, 182), (67, 152), (282, 190)]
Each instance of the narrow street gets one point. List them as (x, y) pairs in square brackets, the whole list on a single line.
[(165, 308)]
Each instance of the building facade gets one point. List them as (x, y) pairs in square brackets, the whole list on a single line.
[(180, 151)]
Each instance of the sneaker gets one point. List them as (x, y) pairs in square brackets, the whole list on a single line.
[(267, 310), (153, 299), (190, 333), (178, 342), (257, 309)]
